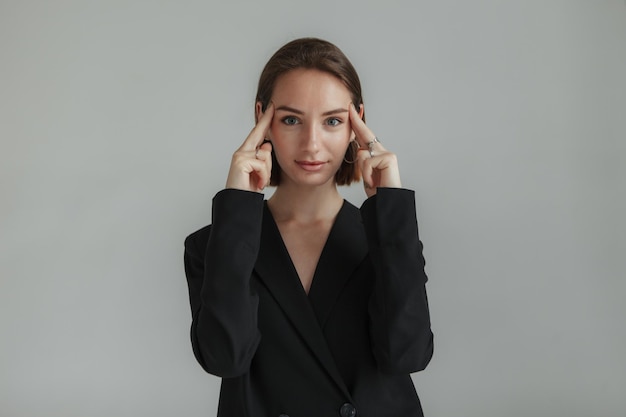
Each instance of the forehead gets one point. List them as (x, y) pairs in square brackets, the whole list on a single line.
[(310, 87)]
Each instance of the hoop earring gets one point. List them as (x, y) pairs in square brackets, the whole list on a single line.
[(351, 149)]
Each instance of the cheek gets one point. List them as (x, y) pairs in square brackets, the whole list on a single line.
[(341, 136), (279, 135), (282, 140), (271, 132)]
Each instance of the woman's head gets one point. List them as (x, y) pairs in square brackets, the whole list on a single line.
[(320, 55)]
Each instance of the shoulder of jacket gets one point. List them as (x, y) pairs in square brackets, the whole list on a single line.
[(199, 237)]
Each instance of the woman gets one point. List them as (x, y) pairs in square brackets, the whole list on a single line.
[(304, 304)]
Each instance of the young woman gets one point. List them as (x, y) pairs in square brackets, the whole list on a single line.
[(305, 305)]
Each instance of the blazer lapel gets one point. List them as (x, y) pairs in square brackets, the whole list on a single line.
[(276, 270), (345, 249)]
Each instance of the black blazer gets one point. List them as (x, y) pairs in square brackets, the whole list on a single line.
[(345, 349)]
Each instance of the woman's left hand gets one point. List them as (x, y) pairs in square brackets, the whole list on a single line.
[(378, 166)]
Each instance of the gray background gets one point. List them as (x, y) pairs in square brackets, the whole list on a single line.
[(117, 122)]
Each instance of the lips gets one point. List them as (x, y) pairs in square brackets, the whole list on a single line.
[(311, 165)]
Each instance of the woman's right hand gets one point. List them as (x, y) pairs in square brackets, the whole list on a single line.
[(251, 165)]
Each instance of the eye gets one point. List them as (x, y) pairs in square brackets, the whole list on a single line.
[(290, 120), (333, 121)]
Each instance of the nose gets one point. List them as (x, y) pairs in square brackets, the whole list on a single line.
[(311, 138)]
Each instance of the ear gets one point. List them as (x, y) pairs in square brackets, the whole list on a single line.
[(361, 111), (258, 111)]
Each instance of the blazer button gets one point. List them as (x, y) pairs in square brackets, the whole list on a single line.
[(347, 410)]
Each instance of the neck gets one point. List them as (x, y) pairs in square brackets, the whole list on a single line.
[(291, 202)]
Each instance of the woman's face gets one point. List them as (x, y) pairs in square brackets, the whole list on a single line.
[(310, 131)]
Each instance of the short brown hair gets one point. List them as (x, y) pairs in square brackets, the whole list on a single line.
[(313, 53)]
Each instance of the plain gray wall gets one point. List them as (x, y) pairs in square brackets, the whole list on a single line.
[(117, 123)]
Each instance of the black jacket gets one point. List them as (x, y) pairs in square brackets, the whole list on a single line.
[(345, 349)]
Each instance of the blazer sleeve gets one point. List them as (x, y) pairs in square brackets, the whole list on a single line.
[(218, 264), (401, 336)]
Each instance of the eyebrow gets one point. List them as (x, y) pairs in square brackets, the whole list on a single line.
[(296, 111)]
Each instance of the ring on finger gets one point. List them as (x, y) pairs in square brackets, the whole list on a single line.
[(370, 145)]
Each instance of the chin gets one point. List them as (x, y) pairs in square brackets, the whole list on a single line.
[(311, 179)]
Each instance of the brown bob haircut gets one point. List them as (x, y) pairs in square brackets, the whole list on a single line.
[(313, 53)]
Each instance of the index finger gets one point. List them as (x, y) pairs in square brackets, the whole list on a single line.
[(257, 135), (363, 133)]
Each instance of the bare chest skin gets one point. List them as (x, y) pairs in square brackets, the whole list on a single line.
[(305, 244)]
